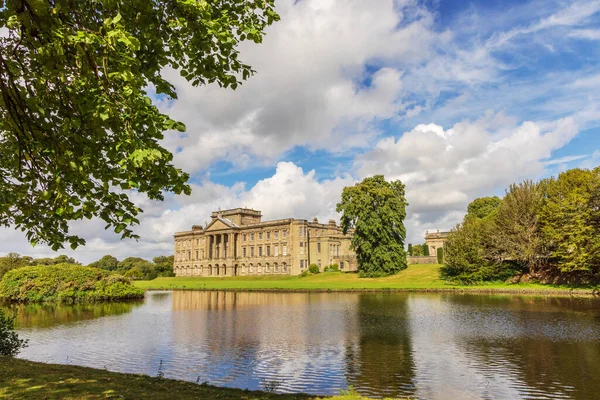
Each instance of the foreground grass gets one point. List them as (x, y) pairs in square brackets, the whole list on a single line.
[(21, 379), (414, 278)]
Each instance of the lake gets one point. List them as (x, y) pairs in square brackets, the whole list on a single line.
[(431, 346)]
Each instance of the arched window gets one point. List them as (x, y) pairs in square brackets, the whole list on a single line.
[(210, 270), (201, 270), (251, 268), (259, 268), (244, 268), (275, 267), (284, 267)]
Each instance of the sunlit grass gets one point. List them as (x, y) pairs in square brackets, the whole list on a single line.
[(21, 379), (415, 277)]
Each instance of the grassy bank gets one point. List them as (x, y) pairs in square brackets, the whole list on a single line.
[(414, 278), (21, 379)]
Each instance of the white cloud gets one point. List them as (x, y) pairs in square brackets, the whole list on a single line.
[(446, 169), (572, 15), (590, 34), (307, 90)]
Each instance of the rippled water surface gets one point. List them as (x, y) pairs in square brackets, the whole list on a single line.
[(431, 346)]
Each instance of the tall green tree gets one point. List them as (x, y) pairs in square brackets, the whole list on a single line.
[(517, 235), (569, 219), (425, 250), (375, 209), (77, 122), (410, 249)]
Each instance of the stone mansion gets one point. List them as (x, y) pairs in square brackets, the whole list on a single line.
[(238, 243)]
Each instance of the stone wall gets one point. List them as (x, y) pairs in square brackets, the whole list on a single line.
[(422, 260)]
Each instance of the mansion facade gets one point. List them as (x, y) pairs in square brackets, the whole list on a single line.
[(238, 243)]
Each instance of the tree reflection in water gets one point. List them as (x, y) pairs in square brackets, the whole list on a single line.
[(47, 315), (433, 346)]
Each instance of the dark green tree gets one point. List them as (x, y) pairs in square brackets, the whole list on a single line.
[(410, 249), (425, 250), (131, 262), (10, 344), (107, 262), (77, 122), (440, 255), (375, 210)]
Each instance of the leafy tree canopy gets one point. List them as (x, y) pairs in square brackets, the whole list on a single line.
[(376, 210), (569, 221), (62, 259), (77, 124), (483, 207), (107, 262)]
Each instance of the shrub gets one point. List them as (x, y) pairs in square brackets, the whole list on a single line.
[(410, 249), (426, 250), (304, 273), (440, 255), (313, 269), (332, 268), (10, 344), (65, 283)]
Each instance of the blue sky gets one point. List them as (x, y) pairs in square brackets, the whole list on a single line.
[(457, 99)]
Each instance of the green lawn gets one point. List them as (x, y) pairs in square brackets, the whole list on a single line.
[(21, 379), (415, 277)]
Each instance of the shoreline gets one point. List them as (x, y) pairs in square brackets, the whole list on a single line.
[(457, 290), (419, 278)]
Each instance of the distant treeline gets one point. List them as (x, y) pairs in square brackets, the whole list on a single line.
[(137, 268), (131, 267), (548, 231)]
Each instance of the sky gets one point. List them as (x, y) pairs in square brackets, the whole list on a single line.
[(457, 99)]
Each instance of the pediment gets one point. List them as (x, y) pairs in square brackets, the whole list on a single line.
[(216, 225)]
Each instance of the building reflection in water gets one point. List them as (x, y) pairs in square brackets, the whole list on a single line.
[(433, 346)]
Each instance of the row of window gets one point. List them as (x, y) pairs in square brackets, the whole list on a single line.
[(251, 236), (276, 235), (249, 251), (303, 231)]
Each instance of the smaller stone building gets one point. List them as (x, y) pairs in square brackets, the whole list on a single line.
[(435, 240)]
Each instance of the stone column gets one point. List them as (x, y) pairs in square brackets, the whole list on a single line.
[(233, 246), (213, 247)]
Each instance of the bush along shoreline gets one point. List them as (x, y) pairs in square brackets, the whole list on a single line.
[(65, 283)]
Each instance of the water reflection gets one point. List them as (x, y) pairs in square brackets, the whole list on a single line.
[(380, 360), (48, 315), (424, 345)]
